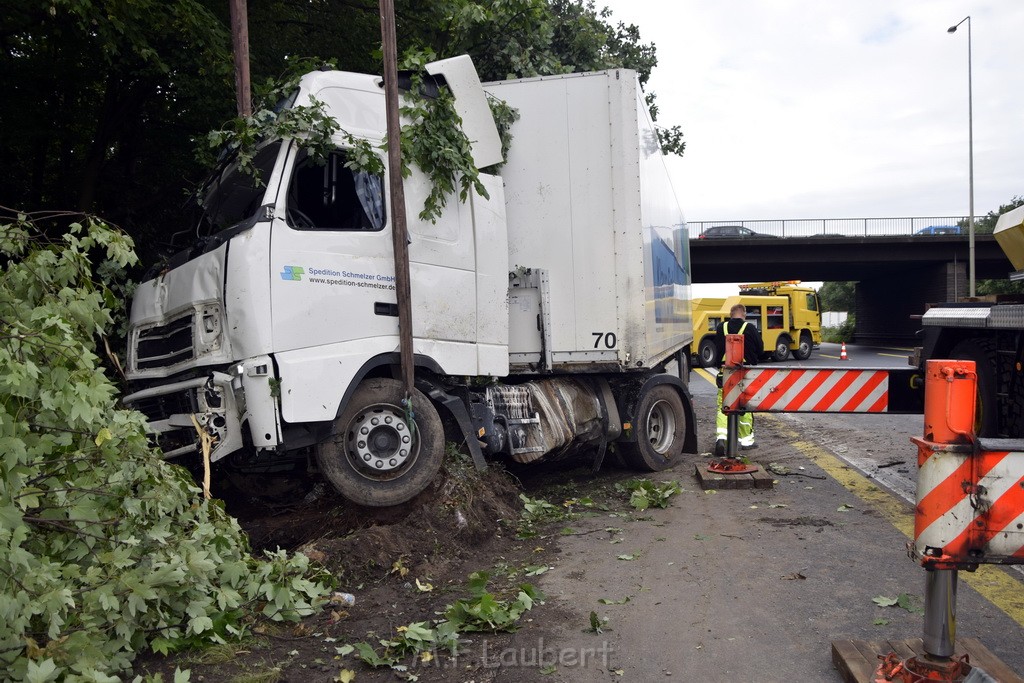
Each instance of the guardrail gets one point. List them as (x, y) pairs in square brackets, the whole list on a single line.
[(843, 227)]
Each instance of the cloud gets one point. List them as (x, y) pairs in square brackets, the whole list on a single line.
[(801, 108)]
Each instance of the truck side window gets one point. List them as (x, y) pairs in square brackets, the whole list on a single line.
[(328, 196), (812, 302)]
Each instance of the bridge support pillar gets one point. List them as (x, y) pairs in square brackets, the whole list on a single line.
[(886, 306)]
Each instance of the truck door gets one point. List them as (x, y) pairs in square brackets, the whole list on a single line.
[(806, 312), (333, 265), (331, 255)]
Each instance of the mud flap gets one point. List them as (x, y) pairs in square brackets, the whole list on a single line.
[(458, 410)]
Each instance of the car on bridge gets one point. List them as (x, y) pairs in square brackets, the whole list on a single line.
[(731, 231), (941, 230)]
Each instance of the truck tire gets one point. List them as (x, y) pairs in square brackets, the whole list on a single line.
[(781, 353), (707, 352), (803, 350), (373, 456), (983, 353), (660, 424)]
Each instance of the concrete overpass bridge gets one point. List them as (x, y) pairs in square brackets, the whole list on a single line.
[(897, 275)]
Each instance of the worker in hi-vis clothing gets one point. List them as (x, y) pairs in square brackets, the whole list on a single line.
[(752, 349)]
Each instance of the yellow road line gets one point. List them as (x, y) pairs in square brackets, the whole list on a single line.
[(893, 355), (825, 355), (993, 583), (705, 374)]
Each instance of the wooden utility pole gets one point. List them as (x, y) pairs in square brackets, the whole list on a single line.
[(399, 232), (240, 46)]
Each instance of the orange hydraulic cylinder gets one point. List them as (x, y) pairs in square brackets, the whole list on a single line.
[(949, 401), (733, 350)]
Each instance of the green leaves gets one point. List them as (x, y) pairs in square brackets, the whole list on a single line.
[(645, 493), (597, 624), (906, 601), (433, 140), (103, 545), (609, 601), (482, 612), (486, 612)]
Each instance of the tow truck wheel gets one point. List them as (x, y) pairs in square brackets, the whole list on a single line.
[(781, 349), (803, 350), (660, 424), (706, 352), (376, 455)]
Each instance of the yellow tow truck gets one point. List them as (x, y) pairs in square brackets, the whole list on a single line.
[(787, 315)]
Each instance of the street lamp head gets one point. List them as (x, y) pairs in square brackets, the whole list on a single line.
[(952, 29)]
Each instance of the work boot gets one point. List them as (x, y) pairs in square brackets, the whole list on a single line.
[(748, 448), (720, 448)]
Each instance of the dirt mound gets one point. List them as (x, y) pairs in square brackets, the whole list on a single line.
[(454, 517)]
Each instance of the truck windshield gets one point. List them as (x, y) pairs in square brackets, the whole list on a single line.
[(237, 196)]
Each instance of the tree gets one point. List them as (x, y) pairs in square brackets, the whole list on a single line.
[(985, 226), (107, 548), (838, 296), (106, 102), (103, 99)]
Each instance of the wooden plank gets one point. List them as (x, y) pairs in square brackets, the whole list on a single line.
[(714, 480), (917, 646), (850, 662), (870, 649), (987, 661), (857, 660), (902, 650), (762, 479)]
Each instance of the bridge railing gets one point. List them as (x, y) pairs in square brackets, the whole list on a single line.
[(844, 227)]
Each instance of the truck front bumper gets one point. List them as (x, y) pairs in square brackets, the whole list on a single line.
[(210, 401)]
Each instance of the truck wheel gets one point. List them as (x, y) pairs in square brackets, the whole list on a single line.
[(982, 352), (803, 351), (706, 352), (374, 457), (660, 424), (781, 349)]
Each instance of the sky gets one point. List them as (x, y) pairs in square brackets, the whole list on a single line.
[(837, 108)]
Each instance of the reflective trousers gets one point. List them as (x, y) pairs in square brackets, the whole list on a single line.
[(746, 430)]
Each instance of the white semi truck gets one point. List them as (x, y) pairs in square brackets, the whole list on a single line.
[(543, 316)]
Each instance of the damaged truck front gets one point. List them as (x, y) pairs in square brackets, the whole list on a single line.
[(544, 314)]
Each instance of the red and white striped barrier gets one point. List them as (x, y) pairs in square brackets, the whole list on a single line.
[(807, 390), (970, 507)]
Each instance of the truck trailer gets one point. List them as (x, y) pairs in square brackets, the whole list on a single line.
[(991, 333), (544, 315)]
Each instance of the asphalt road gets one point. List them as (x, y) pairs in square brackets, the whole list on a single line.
[(876, 445), (754, 585)]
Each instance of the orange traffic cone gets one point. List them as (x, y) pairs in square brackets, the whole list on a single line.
[(842, 352)]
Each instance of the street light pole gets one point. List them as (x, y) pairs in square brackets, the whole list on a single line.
[(970, 150)]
